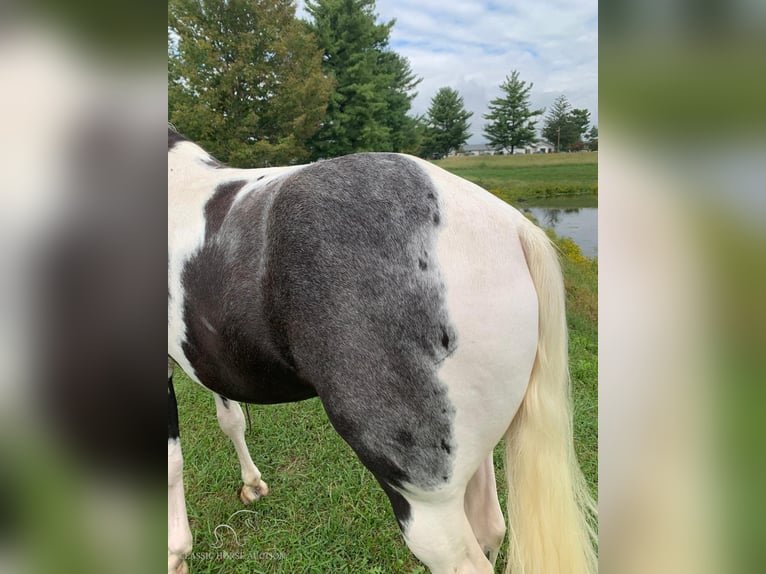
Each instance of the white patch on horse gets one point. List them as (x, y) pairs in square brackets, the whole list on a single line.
[(478, 251), (488, 374), (192, 186), (208, 326)]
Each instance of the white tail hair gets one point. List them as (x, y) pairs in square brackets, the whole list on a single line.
[(550, 510)]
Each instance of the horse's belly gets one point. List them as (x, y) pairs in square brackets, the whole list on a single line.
[(231, 357), (258, 383), (247, 377)]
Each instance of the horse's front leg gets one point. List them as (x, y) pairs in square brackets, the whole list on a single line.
[(179, 533)]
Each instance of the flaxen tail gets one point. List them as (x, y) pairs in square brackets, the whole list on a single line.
[(550, 510)]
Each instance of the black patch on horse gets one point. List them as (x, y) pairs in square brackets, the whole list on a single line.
[(218, 206), (173, 431), (401, 507), (308, 287), (229, 341), (174, 138)]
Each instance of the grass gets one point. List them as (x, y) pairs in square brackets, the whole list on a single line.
[(521, 178), (326, 513), (581, 282)]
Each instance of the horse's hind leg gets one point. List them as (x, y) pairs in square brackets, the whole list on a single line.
[(232, 422), (439, 534), (483, 509)]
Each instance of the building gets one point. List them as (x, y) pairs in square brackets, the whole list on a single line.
[(477, 149), (541, 146)]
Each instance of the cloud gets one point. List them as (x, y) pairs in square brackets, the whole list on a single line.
[(472, 45)]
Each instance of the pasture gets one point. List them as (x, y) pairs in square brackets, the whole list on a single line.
[(325, 512), (520, 178)]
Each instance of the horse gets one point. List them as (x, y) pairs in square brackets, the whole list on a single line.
[(428, 317)]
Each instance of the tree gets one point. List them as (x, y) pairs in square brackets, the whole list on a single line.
[(565, 127), (558, 127), (399, 82), (372, 93), (412, 136), (593, 139), (511, 122), (580, 121), (447, 123), (244, 79)]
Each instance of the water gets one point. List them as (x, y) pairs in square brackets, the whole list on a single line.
[(580, 224)]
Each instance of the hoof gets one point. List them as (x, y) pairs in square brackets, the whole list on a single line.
[(177, 566), (248, 494)]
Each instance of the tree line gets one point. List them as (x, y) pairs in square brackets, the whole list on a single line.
[(511, 122), (256, 86)]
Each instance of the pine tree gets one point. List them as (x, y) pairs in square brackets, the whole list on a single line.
[(580, 119), (593, 139), (399, 83), (447, 123), (559, 128), (373, 85), (511, 122), (244, 79)]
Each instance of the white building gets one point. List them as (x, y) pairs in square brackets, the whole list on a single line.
[(541, 146), (477, 149)]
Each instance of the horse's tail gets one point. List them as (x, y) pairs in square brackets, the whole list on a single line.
[(550, 510)]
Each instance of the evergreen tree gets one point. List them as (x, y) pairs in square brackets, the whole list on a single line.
[(447, 123), (580, 121), (511, 122), (412, 137), (373, 85), (593, 139), (244, 79), (559, 127), (399, 83)]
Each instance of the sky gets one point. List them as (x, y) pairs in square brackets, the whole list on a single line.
[(472, 45)]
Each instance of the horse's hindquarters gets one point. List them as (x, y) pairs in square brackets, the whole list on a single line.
[(493, 305)]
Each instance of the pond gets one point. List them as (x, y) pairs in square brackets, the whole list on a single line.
[(576, 218)]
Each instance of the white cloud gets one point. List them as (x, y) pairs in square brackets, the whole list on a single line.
[(471, 45)]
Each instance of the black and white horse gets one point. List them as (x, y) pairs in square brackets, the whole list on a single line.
[(427, 316)]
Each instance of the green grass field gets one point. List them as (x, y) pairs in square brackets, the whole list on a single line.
[(325, 512), (520, 178)]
